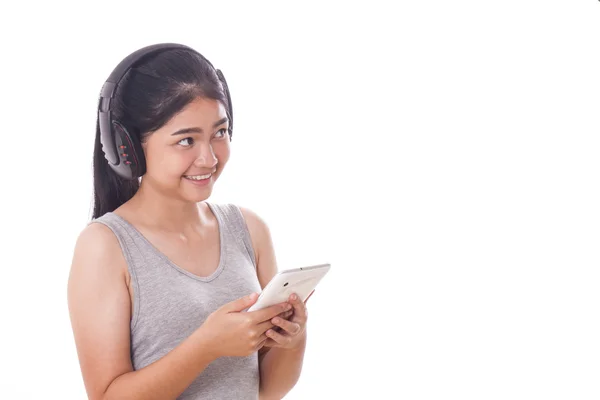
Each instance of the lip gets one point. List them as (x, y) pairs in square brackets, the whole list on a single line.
[(203, 182), (202, 173)]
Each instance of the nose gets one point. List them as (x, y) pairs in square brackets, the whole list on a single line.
[(206, 158)]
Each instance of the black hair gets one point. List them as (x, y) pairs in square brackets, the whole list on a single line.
[(148, 96)]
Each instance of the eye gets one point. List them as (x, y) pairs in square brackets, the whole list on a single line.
[(224, 130), (187, 138)]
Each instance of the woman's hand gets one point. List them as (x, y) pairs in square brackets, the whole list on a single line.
[(291, 332), (231, 332)]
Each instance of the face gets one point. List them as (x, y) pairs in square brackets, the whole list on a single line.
[(193, 143)]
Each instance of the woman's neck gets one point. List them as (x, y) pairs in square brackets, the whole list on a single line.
[(158, 210)]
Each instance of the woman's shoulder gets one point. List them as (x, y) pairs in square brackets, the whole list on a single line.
[(98, 253), (97, 242), (253, 220), (258, 228)]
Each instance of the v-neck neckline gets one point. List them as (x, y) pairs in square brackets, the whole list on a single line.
[(164, 257)]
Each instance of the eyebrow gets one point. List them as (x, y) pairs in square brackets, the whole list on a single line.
[(198, 130)]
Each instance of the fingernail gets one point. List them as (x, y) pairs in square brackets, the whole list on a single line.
[(275, 320), (294, 297)]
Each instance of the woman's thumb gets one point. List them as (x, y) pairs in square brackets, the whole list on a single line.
[(241, 303)]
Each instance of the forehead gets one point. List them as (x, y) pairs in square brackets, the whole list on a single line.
[(199, 112)]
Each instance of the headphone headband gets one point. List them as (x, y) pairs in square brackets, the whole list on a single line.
[(106, 122), (128, 62)]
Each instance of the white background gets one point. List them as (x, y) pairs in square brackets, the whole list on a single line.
[(442, 155)]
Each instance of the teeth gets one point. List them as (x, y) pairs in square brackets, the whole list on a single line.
[(199, 177)]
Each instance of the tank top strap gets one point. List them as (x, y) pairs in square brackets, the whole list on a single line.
[(126, 235), (129, 240), (231, 217)]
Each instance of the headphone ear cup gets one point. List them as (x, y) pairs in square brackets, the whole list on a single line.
[(132, 162)]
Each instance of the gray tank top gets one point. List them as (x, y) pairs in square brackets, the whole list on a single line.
[(170, 303)]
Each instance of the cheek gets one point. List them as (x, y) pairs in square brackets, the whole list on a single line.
[(222, 153), (167, 164)]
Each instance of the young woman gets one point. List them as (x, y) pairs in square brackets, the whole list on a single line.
[(160, 277)]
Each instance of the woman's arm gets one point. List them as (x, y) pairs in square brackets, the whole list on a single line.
[(100, 311), (166, 378), (279, 368)]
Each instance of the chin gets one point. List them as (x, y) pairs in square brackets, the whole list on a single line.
[(196, 193)]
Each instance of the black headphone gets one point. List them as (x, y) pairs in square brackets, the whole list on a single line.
[(123, 151)]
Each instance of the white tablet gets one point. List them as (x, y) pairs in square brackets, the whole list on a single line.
[(301, 281)]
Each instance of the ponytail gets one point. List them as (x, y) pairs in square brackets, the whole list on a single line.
[(110, 190)]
